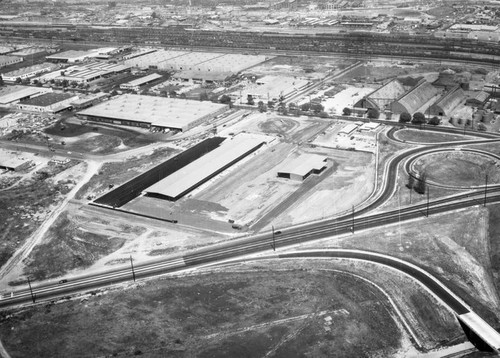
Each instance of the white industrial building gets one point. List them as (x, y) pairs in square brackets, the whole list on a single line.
[(198, 66), (301, 167), (28, 72), (153, 112), (271, 88), (136, 84), (89, 72), (203, 169), (9, 60)]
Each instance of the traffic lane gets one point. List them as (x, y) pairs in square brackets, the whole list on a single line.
[(431, 284)]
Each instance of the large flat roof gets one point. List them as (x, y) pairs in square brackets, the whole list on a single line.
[(10, 94), (29, 69), (159, 111), (303, 164), (143, 80), (47, 99), (72, 54), (205, 167)]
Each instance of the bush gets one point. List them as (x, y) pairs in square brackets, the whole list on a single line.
[(481, 127), (346, 111), (418, 118), (404, 117), (434, 121)]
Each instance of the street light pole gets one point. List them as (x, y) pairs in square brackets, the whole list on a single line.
[(273, 245), (485, 189), (427, 200), (353, 219), (132, 265), (31, 291)]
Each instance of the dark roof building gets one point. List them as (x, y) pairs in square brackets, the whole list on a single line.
[(382, 97), (477, 99), (49, 102), (448, 102), (412, 101)]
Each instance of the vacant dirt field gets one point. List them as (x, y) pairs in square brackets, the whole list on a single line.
[(117, 173), (453, 246), (417, 136), (458, 169), (290, 313)]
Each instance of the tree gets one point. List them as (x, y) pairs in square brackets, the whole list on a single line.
[(459, 121), (172, 94), (203, 96), (481, 127), (373, 113), (270, 104), (64, 83), (434, 121), (317, 107), (18, 80), (346, 111), (404, 117), (419, 118), (250, 100), (262, 107), (305, 107), (225, 99)]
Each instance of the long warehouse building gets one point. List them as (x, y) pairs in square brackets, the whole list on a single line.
[(153, 112), (203, 169)]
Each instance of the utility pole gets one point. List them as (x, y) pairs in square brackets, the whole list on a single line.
[(352, 219), (31, 291), (485, 189), (132, 265), (273, 245), (427, 200)]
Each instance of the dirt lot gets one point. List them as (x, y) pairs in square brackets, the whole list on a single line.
[(453, 246), (95, 138), (117, 173), (312, 67), (27, 204), (417, 136), (288, 313), (458, 169)]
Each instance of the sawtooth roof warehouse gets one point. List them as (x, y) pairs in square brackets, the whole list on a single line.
[(153, 112)]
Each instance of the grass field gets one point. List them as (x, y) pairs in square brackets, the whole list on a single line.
[(291, 313)]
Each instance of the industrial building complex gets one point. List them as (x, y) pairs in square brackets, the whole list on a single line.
[(203, 169), (153, 112)]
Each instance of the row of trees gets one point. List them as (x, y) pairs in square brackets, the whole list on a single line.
[(418, 119)]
